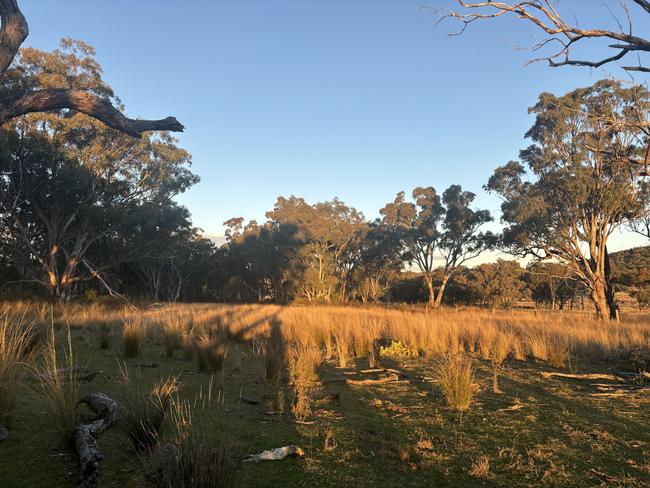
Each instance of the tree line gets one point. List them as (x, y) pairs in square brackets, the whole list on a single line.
[(88, 209)]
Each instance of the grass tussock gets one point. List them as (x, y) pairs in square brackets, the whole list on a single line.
[(455, 375), (192, 459), (145, 413), (58, 386), (133, 335), (15, 353), (211, 354)]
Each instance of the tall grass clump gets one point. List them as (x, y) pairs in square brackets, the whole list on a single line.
[(173, 334), (145, 413), (58, 386), (15, 351), (211, 354), (303, 361), (133, 334), (192, 459), (455, 375)]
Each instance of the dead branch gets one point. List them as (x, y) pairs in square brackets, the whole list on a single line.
[(544, 15), (586, 376), (108, 412), (276, 454)]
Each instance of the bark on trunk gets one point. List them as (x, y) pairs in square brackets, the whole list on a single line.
[(598, 295), (441, 291), (610, 293), (428, 279)]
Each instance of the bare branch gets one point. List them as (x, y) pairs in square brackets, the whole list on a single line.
[(546, 17)]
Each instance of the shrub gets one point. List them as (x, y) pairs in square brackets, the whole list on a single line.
[(455, 375), (397, 350)]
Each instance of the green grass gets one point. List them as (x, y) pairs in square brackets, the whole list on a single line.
[(390, 434)]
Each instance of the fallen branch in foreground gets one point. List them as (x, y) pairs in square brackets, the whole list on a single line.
[(586, 376), (397, 372), (108, 412), (276, 454), (619, 376), (385, 379)]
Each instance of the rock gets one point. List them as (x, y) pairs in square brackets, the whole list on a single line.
[(4, 433)]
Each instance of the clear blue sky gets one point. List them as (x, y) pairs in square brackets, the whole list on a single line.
[(319, 98)]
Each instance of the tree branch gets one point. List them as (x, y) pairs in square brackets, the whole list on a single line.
[(13, 32), (87, 103), (544, 15)]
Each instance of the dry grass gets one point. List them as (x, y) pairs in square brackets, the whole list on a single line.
[(191, 459), (287, 346), (455, 375), (145, 412), (498, 353), (15, 350), (57, 377), (133, 334), (211, 354)]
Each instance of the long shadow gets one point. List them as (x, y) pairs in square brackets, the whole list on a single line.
[(382, 435)]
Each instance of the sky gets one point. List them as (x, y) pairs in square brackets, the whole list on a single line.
[(357, 99)]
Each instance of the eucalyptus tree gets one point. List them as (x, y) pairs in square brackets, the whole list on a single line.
[(72, 181), (460, 239), (432, 228), (326, 232), (574, 185), (418, 227)]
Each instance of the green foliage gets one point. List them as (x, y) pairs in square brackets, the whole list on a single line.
[(574, 185)]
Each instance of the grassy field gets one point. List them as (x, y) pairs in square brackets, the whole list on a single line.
[(374, 397)]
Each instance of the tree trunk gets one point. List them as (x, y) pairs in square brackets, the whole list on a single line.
[(441, 291), (610, 293), (599, 296), (428, 279)]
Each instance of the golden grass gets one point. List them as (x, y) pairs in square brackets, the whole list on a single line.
[(349, 333), (16, 338), (455, 376), (58, 385), (133, 334)]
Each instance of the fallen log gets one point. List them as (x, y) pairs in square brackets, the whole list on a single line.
[(397, 372), (77, 373), (85, 438), (586, 376), (276, 454)]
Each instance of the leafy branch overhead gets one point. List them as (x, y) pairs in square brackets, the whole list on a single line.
[(562, 35), (13, 33)]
